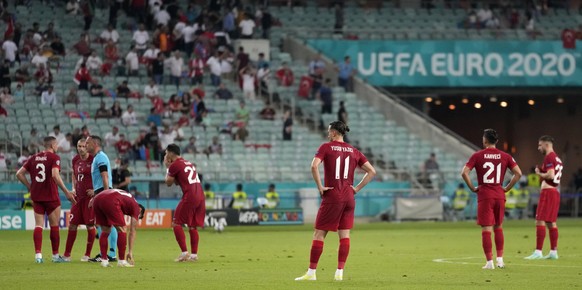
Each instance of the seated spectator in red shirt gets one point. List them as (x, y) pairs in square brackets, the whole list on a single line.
[(122, 146), (83, 77), (43, 74), (267, 113), (111, 52), (175, 103), (285, 75), (22, 75), (82, 46)]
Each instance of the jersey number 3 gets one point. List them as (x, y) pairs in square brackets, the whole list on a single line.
[(41, 173), (191, 178)]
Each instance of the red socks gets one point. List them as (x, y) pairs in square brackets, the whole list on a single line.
[(487, 246), (121, 244), (103, 244), (342, 254), (71, 237), (553, 239), (541, 236), (194, 238), (55, 239), (180, 238), (37, 238), (316, 250), (499, 242), (90, 241)]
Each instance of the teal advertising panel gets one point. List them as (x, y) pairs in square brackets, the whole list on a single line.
[(12, 220), (464, 63)]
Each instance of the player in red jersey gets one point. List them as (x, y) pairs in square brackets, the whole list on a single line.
[(110, 206), (191, 208), (81, 214), (336, 212), (44, 169), (491, 165), (547, 211)]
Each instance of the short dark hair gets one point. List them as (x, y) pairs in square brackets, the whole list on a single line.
[(491, 136), (239, 187), (547, 138), (340, 127), (96, 139), (141, 211), (48, 140), (173, 148), (207, 186)]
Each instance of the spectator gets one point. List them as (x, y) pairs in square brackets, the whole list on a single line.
[(38, 59), (129, 117), (102, 112), (111, 52), (431, 165), (287, 126), (199, 91), (82, 46), (529, 22), (187, 103), (10, 50), (24, 157), (178, 37), (5, 79), (267, 113), (483, 16), (123, 90), (96, 90), (168, 136), (151, 91), (88, 8), (215, 69), (72, 7), (152, 142), (285, 75), (65, 144), (3, 112), (242, 114), (188, 33), (198, 106), (34, 142), (514, 19), (21, 74), (72, 97), (325, 95), (175, 103), (346, 73), (191, 146), (272, 197), (154, 117), (261, 61), (116, 110), (48, 97), (141, 38), (111, 138), (83, 77), (316, 70), (342, 114), (43, 75), (150, 54), (247, 27), (223, 93), (132, 61), (266, 22), (121, 175), (18, 92), (109, 34), (226, 62), (239, 198), (5, 97), (162, 17), (176, 64), (157, 69), (50, 34), (242, 59), (263, 76), (339, 18), (122, 146), (215, 147), (85, 132), (241, 133), (196, 66), (248, 83), (94, 62), (58, 47), (77, 135)]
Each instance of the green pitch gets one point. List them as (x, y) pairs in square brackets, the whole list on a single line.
[(382, 256)]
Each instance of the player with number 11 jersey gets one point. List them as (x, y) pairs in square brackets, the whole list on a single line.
[(191, 208)]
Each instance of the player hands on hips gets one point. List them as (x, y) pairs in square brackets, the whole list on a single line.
[(549, 204), (336, 212), (490, 165)]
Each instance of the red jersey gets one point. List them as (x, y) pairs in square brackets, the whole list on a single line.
[(122, 146), (340, 160), (82, 175), (552, 161), (490, 165), (121, 201), (40, 166), (569, 38), (187, 178)]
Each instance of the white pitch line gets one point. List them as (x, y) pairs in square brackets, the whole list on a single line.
[(451, 261)]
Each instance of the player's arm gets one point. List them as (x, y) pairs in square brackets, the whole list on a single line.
[(465, 174), (170, 180), (370, 173), (516, 176), (316, 177), (132, 233), (61, 185), (104, 175), (549, 175), (21, 176)]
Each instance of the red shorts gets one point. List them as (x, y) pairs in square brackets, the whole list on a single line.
[(81, 214), (548, 205), (490, 212), (335, 216), (107, 213), (190, 214), (42, 207)]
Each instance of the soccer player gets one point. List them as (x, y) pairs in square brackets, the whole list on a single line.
[(110, 206), (491, 165), (191, 209), (44, 169), (336, 212), (102, 179), (81, 214), (547, 211)]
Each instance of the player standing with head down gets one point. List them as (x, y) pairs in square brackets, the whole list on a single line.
[(110, 206), (44, 169), (81, 214), (547, 211), (491, 165), (336, 212), (191, 209)]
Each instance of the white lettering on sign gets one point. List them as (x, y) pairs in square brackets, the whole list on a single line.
[(10, 222), (154, 218)]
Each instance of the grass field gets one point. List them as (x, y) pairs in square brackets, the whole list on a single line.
[(382, 256)]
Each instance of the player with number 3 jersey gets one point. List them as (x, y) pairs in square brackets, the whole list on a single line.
[(191, 209), (44, 169), (547, 211), (491, 165), (336, 212)]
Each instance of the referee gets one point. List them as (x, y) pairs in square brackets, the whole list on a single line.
[(101, 174)]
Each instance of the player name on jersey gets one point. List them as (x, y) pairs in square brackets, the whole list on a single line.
[(40, 158), (342, 149), (492, 156)]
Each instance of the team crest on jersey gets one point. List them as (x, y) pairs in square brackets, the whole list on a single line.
[(59, 162)]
